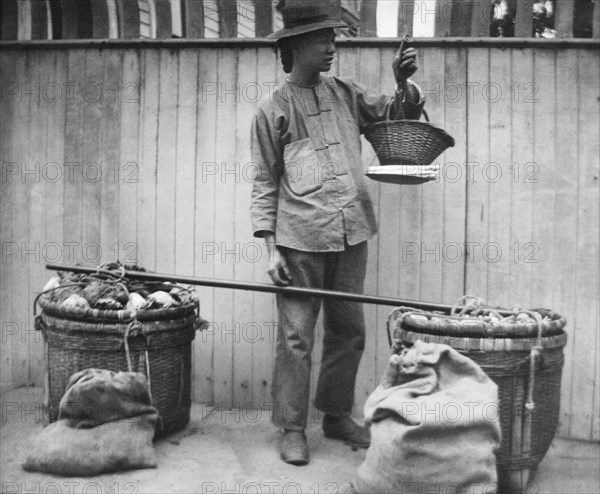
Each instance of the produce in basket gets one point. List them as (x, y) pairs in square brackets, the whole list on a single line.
[(181, 295), (53, 283), (160, 299), (109, 289), (136, 302), (98, 291), (76, 301), (62, 293)]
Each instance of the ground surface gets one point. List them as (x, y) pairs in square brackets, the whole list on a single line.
[(231, 451)]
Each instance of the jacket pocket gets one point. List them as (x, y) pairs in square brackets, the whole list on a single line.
[(302, 167)]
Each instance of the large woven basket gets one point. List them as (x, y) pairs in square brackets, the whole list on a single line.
[(156, 343), (524, 360)]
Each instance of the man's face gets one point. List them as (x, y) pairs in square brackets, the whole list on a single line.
[(315, 51)]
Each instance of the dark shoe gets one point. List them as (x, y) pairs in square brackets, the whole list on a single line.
[(345, 429), (294, 449)]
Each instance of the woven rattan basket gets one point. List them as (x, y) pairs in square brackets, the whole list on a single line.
[(524, 360), (156, 343), (407, 142)]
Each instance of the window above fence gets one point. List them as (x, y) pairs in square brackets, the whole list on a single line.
[(160, 19)]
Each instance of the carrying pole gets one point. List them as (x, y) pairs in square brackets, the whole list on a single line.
[(265, 287)]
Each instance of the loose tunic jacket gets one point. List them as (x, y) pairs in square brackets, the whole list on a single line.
[(310, 188)]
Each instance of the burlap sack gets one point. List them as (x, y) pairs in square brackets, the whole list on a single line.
[(434, 426), (106, 424), (97, 396)]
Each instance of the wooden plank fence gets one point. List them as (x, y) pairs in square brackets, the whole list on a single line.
[(102, 19), (139, 151)]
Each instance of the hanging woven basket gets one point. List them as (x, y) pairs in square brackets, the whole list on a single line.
[(406, 148), (408, 142)]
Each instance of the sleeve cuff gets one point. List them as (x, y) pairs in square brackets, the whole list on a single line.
[(419, 92), (260, 232)]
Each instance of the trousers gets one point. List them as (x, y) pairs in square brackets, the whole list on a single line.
[(343, 340)]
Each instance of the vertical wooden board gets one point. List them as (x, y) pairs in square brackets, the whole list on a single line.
[(9, 174), (265, 317), (443, 20), (480, 21), (595, 433), (453, 173), (347, 65), (478, 155), (74, 157), (40, 66), (565, 249), (263, 18), (460, 15), (245, 318), (146, 233), (7, 268), (91, 95), (185, 169), (368, 18), (563, 18), (521, 250), (368, 69), (224, 232), (432, 197), (129, 156), (54, 180), (204, 219), (166, 160), (584, 405), (228, 27), (596, 23), (56, 175), (543, 174), (524, 19), (494, 253), (390, 231), (109, 156), (185, 198), (166, 191), (410, 246), (22, 186)]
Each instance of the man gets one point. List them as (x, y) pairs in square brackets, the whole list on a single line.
[(311, 205)]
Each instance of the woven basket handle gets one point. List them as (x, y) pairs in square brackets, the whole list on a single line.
[(388, 110)]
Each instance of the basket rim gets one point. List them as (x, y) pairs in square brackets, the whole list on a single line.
[(118, 316), (484, 344), (377, 128), (53, 323), (471, 326)]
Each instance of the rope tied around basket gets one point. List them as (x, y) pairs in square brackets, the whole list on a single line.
[(134, 329), (534, 355), (471, 303)]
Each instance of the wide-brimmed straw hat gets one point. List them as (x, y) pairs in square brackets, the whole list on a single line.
[(304, 16)]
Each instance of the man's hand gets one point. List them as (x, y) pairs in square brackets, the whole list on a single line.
[(278, 269), (404, 64)]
